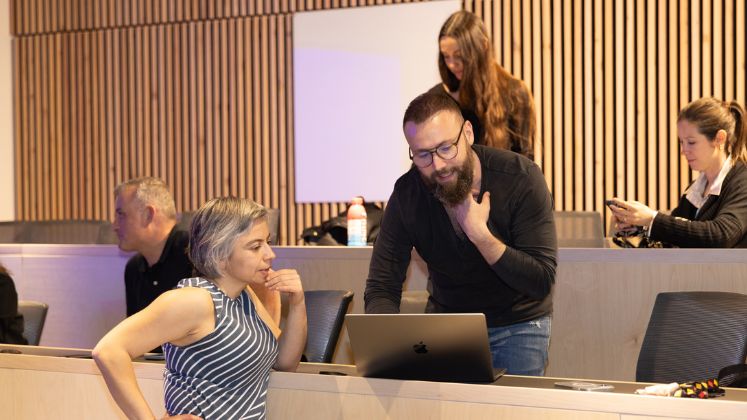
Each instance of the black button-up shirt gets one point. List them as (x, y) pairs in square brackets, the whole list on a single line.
[(144, 284)]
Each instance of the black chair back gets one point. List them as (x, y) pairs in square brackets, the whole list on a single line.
[(692, 335), (325, 312)]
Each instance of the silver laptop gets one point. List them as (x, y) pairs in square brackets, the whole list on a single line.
[(427, 347)]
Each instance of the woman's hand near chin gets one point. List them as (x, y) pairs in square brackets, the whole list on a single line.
[(293, 339), (286, 281)]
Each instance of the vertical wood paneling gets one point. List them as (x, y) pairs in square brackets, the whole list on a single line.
[(564, 160), (599, 142), (284, 92), (618, 108), (87, 122), (200, 94), (22, 128), (740, 63), (587, 75), (273, 174), (608, 111), (198, 151), (77, 129), (208, 159), (661, 117), (266, 68), (537, 85), (629, 98), (728, 53), (577, 97), (718, 49), (43, 126), (230, 92), (56, 180), (651, 100), (556, 144), (674, 106), (706, 48), (641, 157)]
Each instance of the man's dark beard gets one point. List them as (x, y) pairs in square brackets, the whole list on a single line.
[(455, 193)]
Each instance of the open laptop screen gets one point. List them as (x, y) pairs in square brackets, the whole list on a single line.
[(429, 347)]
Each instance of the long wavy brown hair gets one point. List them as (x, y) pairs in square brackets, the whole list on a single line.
[(502, 103)]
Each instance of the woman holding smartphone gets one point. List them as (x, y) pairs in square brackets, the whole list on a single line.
[(712, 212)]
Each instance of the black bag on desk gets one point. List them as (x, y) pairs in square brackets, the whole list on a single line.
[(334, 231), (637, 239)]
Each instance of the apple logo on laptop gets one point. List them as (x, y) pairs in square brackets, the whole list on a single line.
[(420, 348)]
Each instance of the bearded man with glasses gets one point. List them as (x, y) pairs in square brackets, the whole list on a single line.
[(481, 219)]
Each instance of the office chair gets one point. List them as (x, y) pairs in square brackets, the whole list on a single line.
[(692, 335), (34, 314), (325, 312), (579, 229)]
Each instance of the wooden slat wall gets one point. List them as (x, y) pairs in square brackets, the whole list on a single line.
[(609, 78), (200, 93)]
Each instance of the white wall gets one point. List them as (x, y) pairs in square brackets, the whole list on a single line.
[(7, 191), (355, 72)]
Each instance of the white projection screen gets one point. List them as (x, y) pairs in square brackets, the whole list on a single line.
[(355, 70)]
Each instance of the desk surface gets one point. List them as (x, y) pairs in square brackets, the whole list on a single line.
[(44, 385)]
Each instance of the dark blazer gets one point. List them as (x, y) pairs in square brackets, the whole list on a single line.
[(721, 222)]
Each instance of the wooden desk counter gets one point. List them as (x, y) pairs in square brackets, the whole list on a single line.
[(38, 384), (602, 297)]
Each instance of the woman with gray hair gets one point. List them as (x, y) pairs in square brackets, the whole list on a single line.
[(219, 341)]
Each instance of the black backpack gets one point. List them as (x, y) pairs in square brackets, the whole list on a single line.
[(335, 230)]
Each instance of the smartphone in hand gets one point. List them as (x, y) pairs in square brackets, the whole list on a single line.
[(611, 203)]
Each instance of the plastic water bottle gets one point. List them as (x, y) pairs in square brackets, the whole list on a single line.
[(357, 223)]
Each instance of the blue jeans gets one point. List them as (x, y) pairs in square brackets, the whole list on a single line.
[(521, 348)]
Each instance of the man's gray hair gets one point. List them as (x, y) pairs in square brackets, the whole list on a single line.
[(215, 228), (151, 192)]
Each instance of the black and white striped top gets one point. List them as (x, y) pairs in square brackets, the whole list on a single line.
[(225, 374)]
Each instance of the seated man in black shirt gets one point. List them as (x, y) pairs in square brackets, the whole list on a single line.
[(145, 222), (481, 219)]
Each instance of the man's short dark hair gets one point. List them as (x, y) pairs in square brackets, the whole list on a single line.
[(427, 105)]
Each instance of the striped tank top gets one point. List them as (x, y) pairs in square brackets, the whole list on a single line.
[(225, 374)]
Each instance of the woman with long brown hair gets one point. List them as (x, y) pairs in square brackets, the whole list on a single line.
[(712, 213), (498, 105)]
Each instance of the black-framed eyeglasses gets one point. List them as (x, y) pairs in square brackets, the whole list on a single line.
[(424, 158)]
